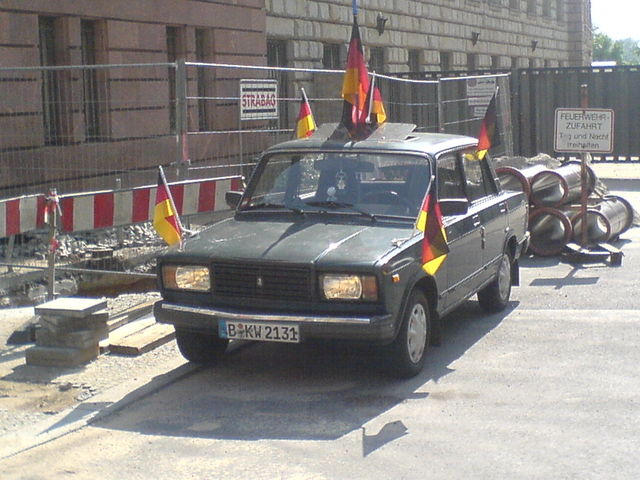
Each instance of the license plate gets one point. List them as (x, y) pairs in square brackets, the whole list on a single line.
[(264, 332)]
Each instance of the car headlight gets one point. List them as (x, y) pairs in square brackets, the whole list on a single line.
[(349, 287), (186, 277)]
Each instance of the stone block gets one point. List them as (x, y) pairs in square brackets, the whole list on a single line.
[(67, 324), (79, 339), (61, 356), (71, 307)]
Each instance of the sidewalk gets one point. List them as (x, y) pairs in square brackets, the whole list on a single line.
[(38, 404)]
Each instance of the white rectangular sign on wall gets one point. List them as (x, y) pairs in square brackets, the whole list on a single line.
[(258, 99), (584, 130)]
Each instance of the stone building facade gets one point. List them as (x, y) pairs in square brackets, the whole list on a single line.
[(433, 35)]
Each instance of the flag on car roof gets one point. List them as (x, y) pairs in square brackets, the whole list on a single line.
[(306, 124), (375, 107), (165, 217), (488, 136), (355, 84), (434, 243)]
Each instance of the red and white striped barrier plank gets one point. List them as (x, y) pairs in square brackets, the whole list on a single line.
[(109, 209), (90, 211), (23, 214)]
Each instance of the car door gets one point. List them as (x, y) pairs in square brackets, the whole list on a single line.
[(464, 235), (489, 209)]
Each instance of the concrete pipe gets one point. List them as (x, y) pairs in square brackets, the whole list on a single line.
[(518, 179), (550, 230), (605, 221), (552, 188)]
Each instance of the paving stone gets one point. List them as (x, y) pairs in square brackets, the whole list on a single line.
[(68, 324), (81, 339), (60, 356), (71, 306)]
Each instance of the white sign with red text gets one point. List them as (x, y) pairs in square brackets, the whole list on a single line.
[(258, 99)]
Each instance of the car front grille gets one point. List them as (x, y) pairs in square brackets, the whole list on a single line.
[(269, 282)]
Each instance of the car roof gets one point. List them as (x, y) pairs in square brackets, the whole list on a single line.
[(388, 136)]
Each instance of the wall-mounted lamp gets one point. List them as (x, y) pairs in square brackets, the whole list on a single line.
[(380, 23), (474, 38), (534, 45)]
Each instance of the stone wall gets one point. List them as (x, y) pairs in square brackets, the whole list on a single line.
[(512, 33)]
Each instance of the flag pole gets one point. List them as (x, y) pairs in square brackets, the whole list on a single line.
[(304, 95), (173, 205), (372, 89)]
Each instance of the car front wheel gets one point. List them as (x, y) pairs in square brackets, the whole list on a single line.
[(200, 347), (406, 354), (495, 296)]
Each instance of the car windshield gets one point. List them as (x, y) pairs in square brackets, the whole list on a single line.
[(369, 184)]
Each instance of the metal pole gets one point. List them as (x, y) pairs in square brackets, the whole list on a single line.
[(51, 255), (584, 103), (440, 107)]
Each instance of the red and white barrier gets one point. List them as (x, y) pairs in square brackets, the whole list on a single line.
[(23, 214), (89, 211)]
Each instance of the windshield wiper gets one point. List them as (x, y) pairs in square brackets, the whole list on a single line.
[(256, 206), (333, 204)]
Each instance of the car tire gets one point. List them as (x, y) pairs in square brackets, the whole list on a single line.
[(495, 296), (200, 347), (407, 352)]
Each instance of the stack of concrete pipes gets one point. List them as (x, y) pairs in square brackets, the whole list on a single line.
[(555, 217)]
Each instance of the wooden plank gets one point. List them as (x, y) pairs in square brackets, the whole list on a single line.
[(144, 340), (130, 328), (130, 314)]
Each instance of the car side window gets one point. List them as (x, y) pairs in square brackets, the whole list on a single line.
[(479, 183), (450, 181)]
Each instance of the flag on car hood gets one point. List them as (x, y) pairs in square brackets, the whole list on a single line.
[(434, 243), (355, 84), (165, 217), (306, 125), (488, 136)]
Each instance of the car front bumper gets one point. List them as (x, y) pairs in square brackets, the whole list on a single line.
[(373, 329)]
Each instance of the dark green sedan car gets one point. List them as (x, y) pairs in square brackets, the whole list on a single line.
[(323, 245)]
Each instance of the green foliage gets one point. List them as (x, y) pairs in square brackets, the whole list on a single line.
[(623, 52)]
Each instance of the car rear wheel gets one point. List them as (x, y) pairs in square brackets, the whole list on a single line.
[(407, 352), (200, 347), (495, 296)]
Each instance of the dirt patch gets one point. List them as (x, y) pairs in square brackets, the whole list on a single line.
[(38, 398)]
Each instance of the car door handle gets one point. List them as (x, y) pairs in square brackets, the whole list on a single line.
[(476, 220), (503, 207)]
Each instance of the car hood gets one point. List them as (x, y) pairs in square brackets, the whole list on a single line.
[(303, 240)]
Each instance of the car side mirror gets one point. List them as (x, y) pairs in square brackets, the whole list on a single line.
[(454, 206), (232, 198)]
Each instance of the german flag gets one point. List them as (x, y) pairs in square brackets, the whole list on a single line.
[(306, 124), (165, 217), (375, 106), (488, 136), (434, 244), (355, 84)]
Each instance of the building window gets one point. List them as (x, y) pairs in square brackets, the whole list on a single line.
[(376, 59), (51, 104), (93, 104), (471, 61), (277, 57), (414, 61), (202, 51), (531, 7), (514, 4), (546, 8), (495, 62), (445, 61), (175, 52), (331, 56), (560, 10)]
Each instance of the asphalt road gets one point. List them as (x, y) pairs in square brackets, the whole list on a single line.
[(547, 389)]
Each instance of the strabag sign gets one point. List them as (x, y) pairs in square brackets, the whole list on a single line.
[(258, 99), (584, 130)]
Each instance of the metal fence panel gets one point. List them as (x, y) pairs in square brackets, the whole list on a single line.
[(538, 92)]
